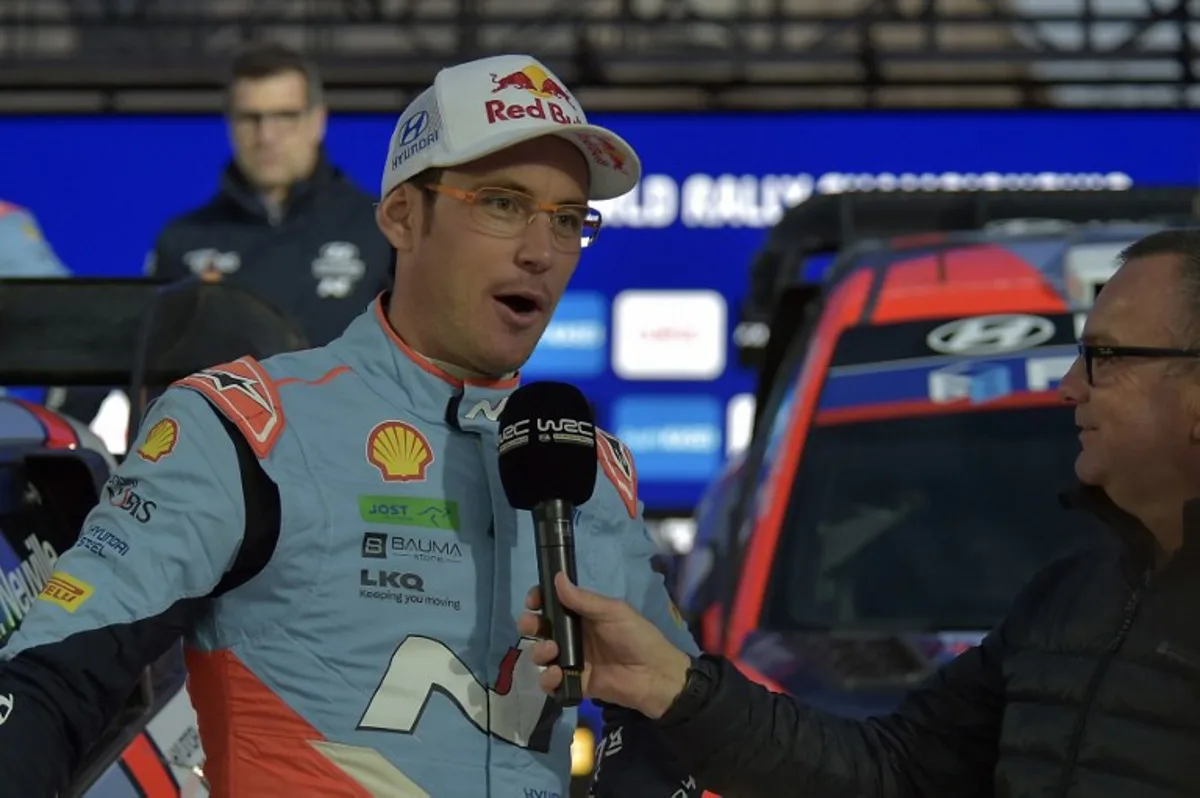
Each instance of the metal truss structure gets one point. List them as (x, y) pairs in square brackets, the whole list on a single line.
[(661, 54)]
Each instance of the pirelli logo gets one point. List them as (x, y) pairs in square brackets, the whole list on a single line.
[(66, 591)]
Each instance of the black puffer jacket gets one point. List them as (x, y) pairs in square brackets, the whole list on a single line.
[(1089, 689), (321, 259)]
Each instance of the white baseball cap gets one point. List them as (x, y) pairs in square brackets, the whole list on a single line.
[(481, 107)]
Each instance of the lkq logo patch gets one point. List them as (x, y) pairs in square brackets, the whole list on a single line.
[(337, 269), (990, 335), (402, 587), (7, 702), (551, 101), (395, 580), (414, 134)]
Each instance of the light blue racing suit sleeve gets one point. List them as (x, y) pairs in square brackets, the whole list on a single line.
[(632, 760), (168, 526), (647, 590), (24, 251)]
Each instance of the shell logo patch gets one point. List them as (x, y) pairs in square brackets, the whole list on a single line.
[(399, 451), (160, 440)]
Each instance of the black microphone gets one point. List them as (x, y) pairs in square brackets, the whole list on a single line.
[(548, 465)]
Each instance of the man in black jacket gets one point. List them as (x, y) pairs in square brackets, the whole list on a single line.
[(285, 224), (1091, 685)]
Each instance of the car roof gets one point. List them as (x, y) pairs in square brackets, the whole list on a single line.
[(987, 271), (936, 264), (825, 225)]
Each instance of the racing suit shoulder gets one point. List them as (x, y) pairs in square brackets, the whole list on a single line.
[(167, 529), (246, 391), (308, 366), (631, 760), (24, 251), (619, 472)]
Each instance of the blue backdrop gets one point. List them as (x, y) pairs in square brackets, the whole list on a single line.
[(103, 186)]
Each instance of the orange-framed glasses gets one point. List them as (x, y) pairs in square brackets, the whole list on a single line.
[(506, 212)]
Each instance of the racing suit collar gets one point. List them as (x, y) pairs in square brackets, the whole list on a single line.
[(373, 350), (458, 372)]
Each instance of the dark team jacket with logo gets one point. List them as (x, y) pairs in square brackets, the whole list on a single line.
[(1090, 688), (321, 261), (329, 530)]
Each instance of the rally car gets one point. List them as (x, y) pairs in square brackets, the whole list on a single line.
[(785, 274), (891, 406), (902, 482)]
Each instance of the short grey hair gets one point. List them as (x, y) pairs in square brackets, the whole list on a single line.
[(1184, 245)]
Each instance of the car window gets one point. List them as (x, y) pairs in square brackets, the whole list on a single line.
[(928, 522), (928, 484)]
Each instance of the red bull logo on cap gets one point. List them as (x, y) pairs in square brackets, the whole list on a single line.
[(616, 158), (551, 100), (603, 151), (534, 80)]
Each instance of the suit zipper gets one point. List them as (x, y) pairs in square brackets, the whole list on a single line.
[(1094, 684)]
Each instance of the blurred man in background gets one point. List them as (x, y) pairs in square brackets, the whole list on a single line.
[(285, 223)]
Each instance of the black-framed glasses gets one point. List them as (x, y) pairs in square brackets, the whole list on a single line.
[(1090, 353)]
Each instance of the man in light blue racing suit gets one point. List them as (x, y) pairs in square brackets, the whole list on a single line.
[(328, 529)]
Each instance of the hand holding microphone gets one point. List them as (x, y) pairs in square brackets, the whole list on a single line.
[(548, 466)]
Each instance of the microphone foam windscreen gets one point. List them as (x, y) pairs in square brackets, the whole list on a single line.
[(547, 445)]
